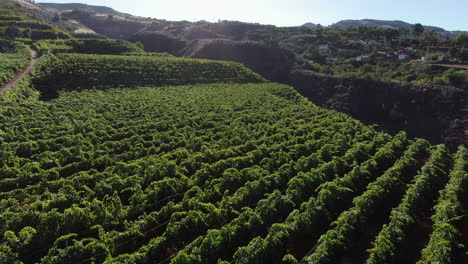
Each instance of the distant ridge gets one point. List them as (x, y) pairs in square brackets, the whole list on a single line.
[(380, 23), (71, 6), (310, 25)]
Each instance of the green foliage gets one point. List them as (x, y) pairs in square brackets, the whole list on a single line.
[(402, 218), (77, 71), (431, 37), (462, 40), (38, 34), (446, 236), (337, 239), (108, 162), (10, 11), (220, 173), (453, 77), (87, 46), (313, 54), (463, 55), (26, 24), (13, 61), (417, 29), (210, 173), (31, 29)]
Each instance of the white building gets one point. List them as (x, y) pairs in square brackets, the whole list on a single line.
[(333, 59), (373, 42), (363, 58), (441, 57), (324, 48), (354, 41), (402, 57)]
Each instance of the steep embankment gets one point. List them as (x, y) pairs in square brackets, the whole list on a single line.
[(434, 113), (272, 63)]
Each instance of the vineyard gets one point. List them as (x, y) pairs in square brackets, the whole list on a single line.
[(112, 155), (87, 46), (219, 173), (81, 71), (21, 27), (13, 61)]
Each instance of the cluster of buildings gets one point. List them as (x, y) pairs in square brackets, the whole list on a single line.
[(403, 54)]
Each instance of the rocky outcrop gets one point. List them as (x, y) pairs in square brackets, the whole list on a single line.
[(159, 42), (272, 63), (114, 27)]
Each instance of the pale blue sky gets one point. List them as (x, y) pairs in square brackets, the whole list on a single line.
[(449, 14)]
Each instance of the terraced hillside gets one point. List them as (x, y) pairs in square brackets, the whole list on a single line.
[(14, 25), (87, 46), (148, 158)]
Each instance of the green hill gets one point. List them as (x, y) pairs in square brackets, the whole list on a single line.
[(97, 9), (381, 23)]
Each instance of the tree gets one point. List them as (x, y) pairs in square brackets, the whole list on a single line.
[(455, 78), (430, 37), (417, 29), (461, 39), (403, 31), (463, 54), (390, 34), (312, 53)]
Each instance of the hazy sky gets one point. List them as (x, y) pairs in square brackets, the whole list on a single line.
[(449, 14)]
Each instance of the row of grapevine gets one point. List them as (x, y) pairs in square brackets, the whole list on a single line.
[(446, 235), (307, 224), (98, 164), (32, 24), (402, 218), (88, 46), (251, 223), (332, 244), (15, 23), (247, 194)]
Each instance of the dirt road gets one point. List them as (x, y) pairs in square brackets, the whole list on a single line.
[(455, 66)]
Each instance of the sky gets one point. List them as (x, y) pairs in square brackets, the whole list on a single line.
[(448, 14)]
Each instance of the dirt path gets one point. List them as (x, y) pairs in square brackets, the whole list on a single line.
[(456, 66), (20, 75)]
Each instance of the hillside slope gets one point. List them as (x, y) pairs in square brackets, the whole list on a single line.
[(48, 15), (71, 6), (382, 23)]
